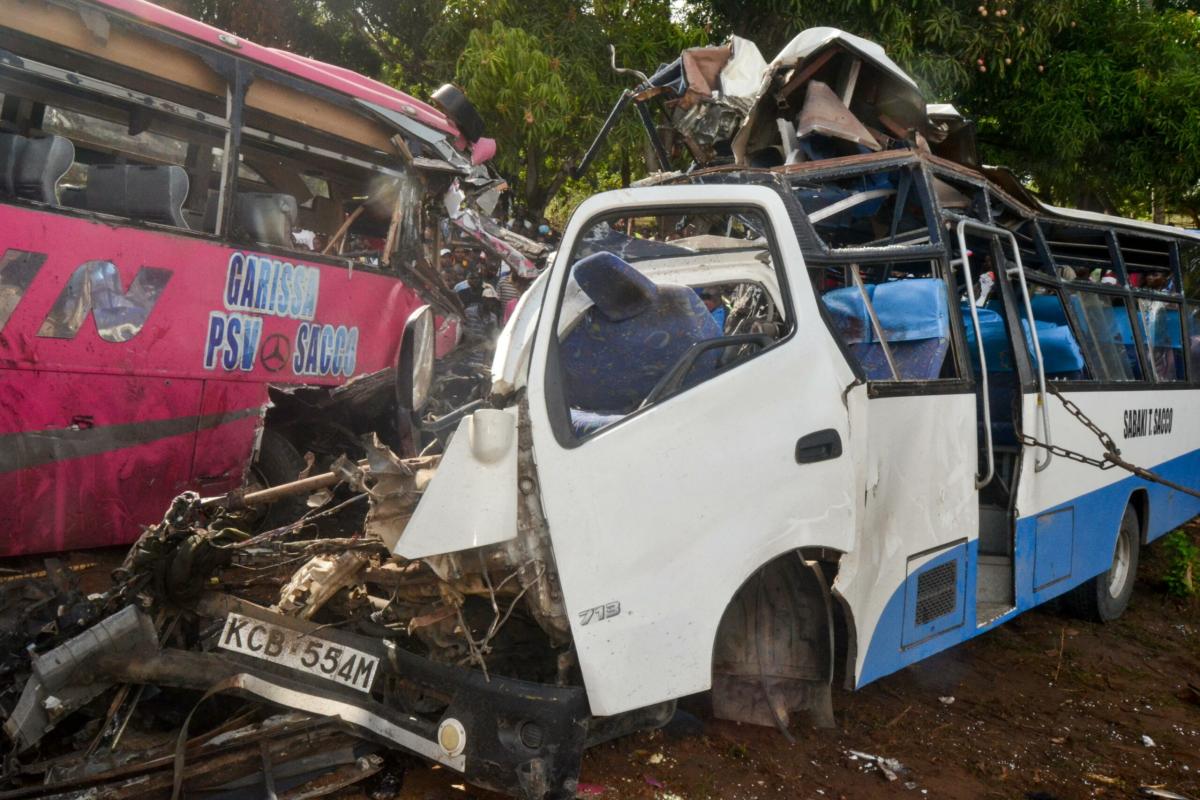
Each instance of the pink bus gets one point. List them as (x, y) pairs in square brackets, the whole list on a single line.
[(185, 218)]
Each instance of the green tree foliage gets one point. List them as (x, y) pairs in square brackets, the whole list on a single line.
[(1113, 121), (943, 43), (530, 104), (1183, 563), (540, 74)]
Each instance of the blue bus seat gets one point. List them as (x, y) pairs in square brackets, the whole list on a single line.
[(915, 318), (635, 331), (1064, 358), (1048, 308)]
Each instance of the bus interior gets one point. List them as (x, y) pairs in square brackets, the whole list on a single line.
[(135, 126)]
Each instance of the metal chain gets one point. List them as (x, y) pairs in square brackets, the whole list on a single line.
[(1110, 446), (1112, 454)]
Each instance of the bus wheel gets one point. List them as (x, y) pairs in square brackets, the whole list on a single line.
[(1106, 596), (278, 462)]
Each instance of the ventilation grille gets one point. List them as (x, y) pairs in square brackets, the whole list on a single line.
[(937, 592)]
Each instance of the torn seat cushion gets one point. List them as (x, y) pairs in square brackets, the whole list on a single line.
[(632, 335)]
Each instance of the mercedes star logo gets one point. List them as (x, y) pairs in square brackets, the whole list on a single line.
[(275, 352)]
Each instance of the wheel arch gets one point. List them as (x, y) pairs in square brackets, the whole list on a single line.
[(783, 621), (1139, 500)]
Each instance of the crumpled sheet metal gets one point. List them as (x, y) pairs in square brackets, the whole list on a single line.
[(395, 488), (897, 95), (809, 42), (824, 113), (315, 583), (62, 678), (702, 67), (487, 232)]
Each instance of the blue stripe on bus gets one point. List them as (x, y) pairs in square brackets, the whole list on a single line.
[(1097, 516)]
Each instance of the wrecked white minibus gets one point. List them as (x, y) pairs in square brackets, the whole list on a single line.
[(758, 429)]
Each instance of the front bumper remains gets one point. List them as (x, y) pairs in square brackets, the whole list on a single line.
[(517, 737)]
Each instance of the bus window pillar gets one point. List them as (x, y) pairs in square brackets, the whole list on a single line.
[(235, 103)]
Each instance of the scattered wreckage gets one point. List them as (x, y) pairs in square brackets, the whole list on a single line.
[(576, 550)]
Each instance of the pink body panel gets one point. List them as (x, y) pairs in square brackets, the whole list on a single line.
[(65, 500), (102, 423)]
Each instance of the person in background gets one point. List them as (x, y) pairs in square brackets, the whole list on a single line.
[(446, 266), (715, 303), (510, 289), (1159, 281), (489, 266), (461, 261), (472, 263), (482, 304), (507, 287)]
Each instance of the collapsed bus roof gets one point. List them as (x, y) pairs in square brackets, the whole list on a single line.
[(828, 100)]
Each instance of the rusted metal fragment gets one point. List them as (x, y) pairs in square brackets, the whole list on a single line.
[(396, 485), (825, 114), (702, 68), (948, 196), (336, 780), (315, 583), (241, 767), (133, 769)]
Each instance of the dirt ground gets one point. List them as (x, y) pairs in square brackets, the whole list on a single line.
[(1043, 707)]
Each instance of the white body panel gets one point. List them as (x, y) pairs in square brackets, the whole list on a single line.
[(472, 501), (668, 512), (1064, 480), (510, 364), (658, 519), (915, 466)]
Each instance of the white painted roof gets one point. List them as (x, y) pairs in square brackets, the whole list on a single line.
[(810, 41), (1108, 219)]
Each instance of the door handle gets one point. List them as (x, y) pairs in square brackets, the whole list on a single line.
[(818, 446)]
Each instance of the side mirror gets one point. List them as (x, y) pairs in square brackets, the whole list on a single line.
[(414, 371)]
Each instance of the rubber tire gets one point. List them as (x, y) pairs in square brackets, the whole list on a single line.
[(1092, 600), (279, 462), (455, 105)]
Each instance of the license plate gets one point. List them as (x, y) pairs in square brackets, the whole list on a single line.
[(300, 651)]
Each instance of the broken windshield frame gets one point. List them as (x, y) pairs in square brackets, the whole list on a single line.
[(643, 251)]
